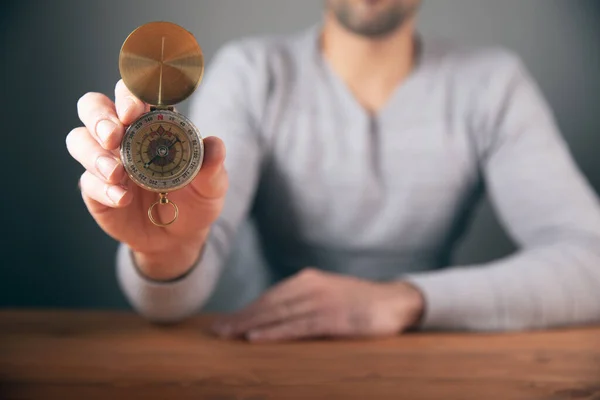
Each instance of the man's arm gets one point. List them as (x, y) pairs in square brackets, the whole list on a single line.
[(223, 108), (547, 207)]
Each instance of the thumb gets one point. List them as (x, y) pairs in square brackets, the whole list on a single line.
[(211, 182)]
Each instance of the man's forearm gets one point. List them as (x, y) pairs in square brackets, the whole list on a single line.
[(169, 300), (543, 287)]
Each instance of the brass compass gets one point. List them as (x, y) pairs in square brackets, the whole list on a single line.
[(161, 64)]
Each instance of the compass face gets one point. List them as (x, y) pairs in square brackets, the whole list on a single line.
[(162, 151)]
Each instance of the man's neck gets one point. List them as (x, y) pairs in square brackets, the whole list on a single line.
[(371, 68)]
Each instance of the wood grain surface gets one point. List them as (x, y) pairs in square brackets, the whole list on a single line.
[(118, 355)]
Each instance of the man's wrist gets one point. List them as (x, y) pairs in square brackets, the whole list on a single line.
[(411, 304), (168, 265)]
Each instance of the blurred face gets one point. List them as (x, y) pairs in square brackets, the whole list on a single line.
[(372, 18)]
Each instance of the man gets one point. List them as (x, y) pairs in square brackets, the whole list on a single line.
[(360, 150)]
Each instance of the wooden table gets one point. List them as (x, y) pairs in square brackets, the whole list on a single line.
[(102, 355)]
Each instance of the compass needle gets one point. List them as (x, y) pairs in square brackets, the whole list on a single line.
[(161, 78)]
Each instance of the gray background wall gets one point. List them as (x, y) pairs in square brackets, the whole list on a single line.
[(53, 255)]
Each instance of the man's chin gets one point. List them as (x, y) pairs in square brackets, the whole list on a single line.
[(372, 30)]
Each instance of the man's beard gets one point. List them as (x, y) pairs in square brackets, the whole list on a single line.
[(379, 26)]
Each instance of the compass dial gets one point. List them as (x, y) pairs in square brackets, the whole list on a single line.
[(162, 151)]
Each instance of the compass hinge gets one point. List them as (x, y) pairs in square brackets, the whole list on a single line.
[(154, 108)]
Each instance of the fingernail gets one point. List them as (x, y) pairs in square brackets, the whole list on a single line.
[(106, 166), (127, 104), (253, 335), (104, 129), (115, 193)]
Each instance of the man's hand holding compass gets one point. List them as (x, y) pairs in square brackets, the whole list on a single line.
[(120, 188)]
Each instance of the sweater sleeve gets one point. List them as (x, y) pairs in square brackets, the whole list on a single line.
[(547, 207), (223, 108)]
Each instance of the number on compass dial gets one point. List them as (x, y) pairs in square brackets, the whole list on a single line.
[(162, 151)]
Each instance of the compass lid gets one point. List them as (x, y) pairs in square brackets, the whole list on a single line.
[(161, 63)]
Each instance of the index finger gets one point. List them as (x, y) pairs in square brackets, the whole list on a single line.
[(129, 107)]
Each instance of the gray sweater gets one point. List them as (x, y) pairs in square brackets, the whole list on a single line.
[(387, 196)]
